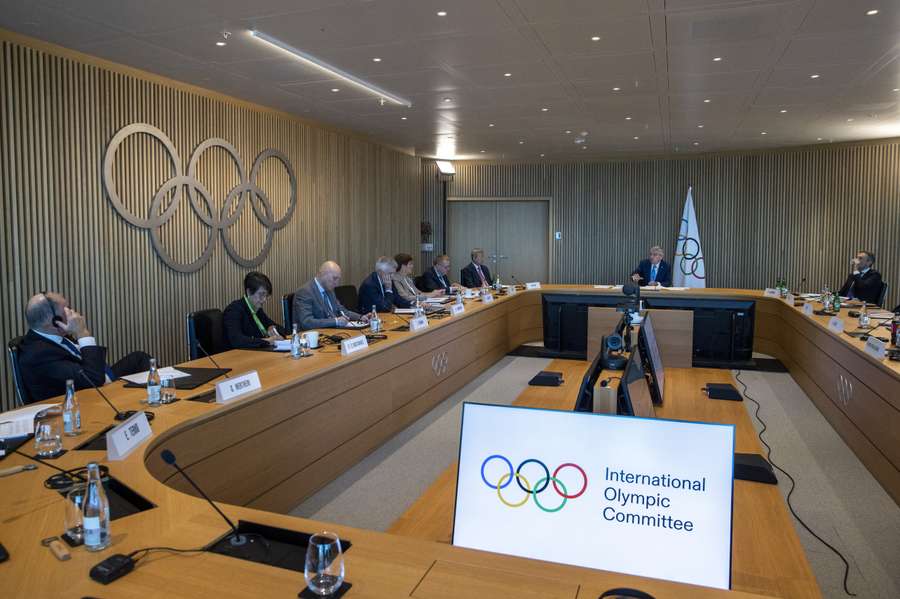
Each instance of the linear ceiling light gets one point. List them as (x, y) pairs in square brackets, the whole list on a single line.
[(331, 70)]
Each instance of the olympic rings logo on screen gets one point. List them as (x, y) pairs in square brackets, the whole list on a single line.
[(540, 485)]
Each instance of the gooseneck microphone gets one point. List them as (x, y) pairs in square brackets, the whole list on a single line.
[(236, 538), (208, 355), (120, 416)]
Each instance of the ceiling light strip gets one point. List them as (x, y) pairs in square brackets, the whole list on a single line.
[(331, 70)]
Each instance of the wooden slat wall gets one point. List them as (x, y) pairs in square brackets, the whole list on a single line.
[(357, 199), (798, 213)]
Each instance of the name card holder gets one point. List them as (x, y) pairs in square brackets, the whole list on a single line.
[(876, 348), (236, 386), (354, 344), (769, 292), (510, 289), (836, 325), (128, 436), (487, 298), (808, 309), (533, 285), (417, 324), (790, 299), (457, 309)]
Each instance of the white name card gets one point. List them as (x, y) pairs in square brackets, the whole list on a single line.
[(876, 348), (126, 437), (771, 293), (790, 299), (510, 289), (808, 309), (533, 285), (354, 344), (836, 325), (457, 309), (487, 298), (236, 386), (417, 324)]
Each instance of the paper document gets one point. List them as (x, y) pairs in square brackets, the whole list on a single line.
[(356, 324), (141, 377), (676, 288), (283, 345), (607, 286), (16, 423), (404, 310), (437, 300), (881, 314)]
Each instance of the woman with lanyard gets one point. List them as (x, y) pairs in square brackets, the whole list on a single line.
[(246, 324)]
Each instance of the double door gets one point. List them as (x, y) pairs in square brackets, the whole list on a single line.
[(514, 235)]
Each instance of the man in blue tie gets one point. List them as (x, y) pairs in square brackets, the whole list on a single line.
[(48, 356), (317, 307), (653, 271)]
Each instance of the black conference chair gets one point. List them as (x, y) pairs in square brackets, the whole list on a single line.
[(348, 296), (12, 349), (883, 294), (287, 310), (420, 282), (206, 333)]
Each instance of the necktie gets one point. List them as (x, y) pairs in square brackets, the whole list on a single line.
[(71, 347), (653, 273), (327, 303), (481, 275)]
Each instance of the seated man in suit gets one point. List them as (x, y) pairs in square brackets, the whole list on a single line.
[(476, 274), (436, 278), (48, 357), (246, 324), (653, 270), (316, 306), (864, 283), (377, 289)]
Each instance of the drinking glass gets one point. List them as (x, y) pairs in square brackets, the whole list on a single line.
[(167, 389), (324, 568), (74, 522), (48, 432)]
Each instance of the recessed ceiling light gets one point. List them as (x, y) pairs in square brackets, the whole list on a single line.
[(849, 120), (483, 151), (595, 38), (544, 109), (636, 137), (507, 74), (707, 101), (542, 155), (490, 124), (568, 131), (442, 13), (220, 44), (584, 147), (874, 11), (818, 139), (699, 126), (783, 110), (448, 99), (627, 118), (763, 133), (335, 90), (616, 89), (521, 142), (717, 59), (696, 143), (402, 118), (376, 59), (814, 76)]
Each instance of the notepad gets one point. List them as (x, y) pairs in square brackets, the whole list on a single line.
[(141, 377)]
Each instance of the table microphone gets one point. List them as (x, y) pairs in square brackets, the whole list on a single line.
[(120, 416), (206, 353), (237, 538)]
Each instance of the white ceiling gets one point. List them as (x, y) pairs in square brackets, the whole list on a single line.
[(659, 53)]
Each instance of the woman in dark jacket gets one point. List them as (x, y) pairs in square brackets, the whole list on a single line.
[(246, 324)]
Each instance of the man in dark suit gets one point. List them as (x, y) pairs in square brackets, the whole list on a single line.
[(316, 306), (653, 270), (246, 323), (476, 274), (436, 278), (377, 290), (48, 356), (864, 283)]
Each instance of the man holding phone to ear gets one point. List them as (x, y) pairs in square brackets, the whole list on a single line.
[(59, 346)]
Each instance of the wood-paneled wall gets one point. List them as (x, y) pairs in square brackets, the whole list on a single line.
[(800, 213), (58, 111)]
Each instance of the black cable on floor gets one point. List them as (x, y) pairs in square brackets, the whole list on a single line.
[(737, 377)]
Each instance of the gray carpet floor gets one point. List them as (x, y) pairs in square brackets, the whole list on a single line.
[(835, 493)]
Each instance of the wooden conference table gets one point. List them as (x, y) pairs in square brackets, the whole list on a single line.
[(262, 455)]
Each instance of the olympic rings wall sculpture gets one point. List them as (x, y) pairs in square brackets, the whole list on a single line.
[(539, 487), (233, 207)]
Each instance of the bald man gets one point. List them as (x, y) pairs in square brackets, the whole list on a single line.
[(59, 346), (316, 306)]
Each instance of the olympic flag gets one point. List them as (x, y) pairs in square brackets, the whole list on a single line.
[(689, 266)]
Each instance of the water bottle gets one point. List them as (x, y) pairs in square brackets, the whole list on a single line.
[(459, 297), (154, 385), (374, 321), (895, 330), (419, 310), (836, 302), (296, 350), (71, 412), (864, 317), (497, 284), (95, 512)]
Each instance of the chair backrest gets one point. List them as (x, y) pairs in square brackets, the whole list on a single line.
[(12, 348), (347, 295), (287, 310), (205, 328), (882, 294), (420, 282)]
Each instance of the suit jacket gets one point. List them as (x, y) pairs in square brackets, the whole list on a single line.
[(663, 272), (866, 287), (240, 329), (371, 294), (311, 312), (469, 276), (405, 290), (433, 281), (46, 366)]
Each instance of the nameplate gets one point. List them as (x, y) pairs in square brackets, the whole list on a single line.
[(126, 437), (354, 344), (808, 309), (510, 289), (236, 386), (533, 285), (790, 299), (487, 298), (836, 325), (417, 324), (876, 348), (457, 309), (771, 293)]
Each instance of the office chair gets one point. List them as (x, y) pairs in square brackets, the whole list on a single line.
[(287, 310), (348, 296), (12, 349), (882, 294), (205, 328), (420, 282)]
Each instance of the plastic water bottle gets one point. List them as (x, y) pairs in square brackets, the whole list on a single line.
[(864, 317), (836, 302), (154, 385), (459, 297), (71, 412), (419, 310), (296, 350), (95, 511), (497, 284), (374, 321)]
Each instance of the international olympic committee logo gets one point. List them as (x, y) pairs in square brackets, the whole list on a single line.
[(439, 364), (540, 486), (232, 208), (687, 254)]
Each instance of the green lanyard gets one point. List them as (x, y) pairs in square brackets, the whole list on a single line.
[(262, 329)]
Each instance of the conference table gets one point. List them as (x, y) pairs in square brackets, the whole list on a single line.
[(261, 455)]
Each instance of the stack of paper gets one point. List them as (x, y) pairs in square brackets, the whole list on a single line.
[(141, 377), (17, 423)]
